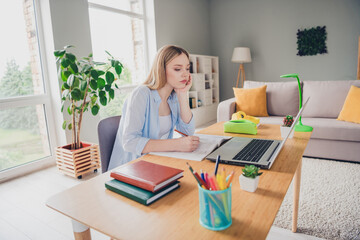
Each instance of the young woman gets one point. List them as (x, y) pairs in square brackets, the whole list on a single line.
[(155, 108)]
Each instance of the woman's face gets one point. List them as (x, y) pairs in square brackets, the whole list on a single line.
[(178, 71)]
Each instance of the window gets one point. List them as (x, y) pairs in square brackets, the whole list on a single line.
[(24, 102), (119, 27)]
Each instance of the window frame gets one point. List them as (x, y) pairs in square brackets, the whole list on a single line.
[(33, 100)]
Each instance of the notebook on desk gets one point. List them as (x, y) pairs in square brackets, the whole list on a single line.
[(249, 151)]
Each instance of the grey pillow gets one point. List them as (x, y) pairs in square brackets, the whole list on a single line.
[(326, 97), (282, 97)]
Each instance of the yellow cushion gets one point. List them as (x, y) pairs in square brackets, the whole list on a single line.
[(252, 101), (350, 111)]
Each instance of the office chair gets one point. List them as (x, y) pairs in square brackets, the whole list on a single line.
[(107, 129)]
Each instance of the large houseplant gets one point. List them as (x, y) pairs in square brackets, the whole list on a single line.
[(86, 84)]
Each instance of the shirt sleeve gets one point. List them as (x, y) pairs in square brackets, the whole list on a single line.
[(187, 128), (132, 137)]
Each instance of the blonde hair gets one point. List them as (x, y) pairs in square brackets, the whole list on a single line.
[(157, 75)]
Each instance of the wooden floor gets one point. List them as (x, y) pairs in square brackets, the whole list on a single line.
[(24, 216)]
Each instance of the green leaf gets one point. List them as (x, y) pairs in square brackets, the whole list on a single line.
[(95, 109), (109, 77), (68, 46), (69, 110), (93, 84), (71, 57), (64, 75), (70, 80), (90, 55), (62, 106), (100, 72), (109, 54), (107, 87), (76, 94), (74, 67), (101, 83), (86, 68), (59, 53), (93, 100), (103, 100), (64, 125), (116, 86), (70, 126), (118, 70), (83, 85), (102, 93), (66, 86), (111, 93), (65, 63), (94, 74), (65, 93)]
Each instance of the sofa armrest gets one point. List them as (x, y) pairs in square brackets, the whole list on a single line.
[(225, 110)]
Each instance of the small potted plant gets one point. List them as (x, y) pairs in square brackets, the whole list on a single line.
[(249, 179), (86, 85), (286, 127)]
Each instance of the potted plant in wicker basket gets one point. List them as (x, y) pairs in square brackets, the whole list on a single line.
[(286, 127), (86, 85), (249, 179)]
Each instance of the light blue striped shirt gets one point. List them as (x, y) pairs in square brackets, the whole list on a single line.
[(140, 123)]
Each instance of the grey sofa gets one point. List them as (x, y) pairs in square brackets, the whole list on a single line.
[(331, 139)]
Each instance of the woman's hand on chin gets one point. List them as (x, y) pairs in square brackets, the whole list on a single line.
[(184, 89)]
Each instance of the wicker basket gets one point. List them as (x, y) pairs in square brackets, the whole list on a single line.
[(76, 163)]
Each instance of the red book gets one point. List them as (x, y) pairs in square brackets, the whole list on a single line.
[(147, 175)]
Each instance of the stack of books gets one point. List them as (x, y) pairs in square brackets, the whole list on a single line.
[(143, 181)]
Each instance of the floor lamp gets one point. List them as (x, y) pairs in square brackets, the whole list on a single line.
[(241, 55), (299, 127)]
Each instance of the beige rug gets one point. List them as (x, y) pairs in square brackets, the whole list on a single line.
[(329, 200)]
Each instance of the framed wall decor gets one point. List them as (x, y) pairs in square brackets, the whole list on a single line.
[(311, 41)]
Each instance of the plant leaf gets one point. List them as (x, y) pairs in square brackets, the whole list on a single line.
[(83, 85), (95, 109), (68, 46), (93, 84), (65, 63), (70, 126), (64, 125), (59, 53), (94, 74), (102, 94), (111, 93), (118, 70), (109, 77), (74, 67), (103, 100), (71, 57), (70, 80), (69, 110), (76, 94), (101, 83), (100, 72)]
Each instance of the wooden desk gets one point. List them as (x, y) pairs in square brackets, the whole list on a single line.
[(176, 216)]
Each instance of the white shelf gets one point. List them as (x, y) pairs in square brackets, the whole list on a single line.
[(205, 88)]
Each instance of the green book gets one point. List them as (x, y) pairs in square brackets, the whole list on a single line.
[(138, 194)]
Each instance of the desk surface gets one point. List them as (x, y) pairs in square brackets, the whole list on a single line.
[(177, 215)]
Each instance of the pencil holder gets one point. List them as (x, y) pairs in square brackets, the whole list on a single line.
[(215, 208)]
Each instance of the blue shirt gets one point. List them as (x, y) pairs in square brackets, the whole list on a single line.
[(140, 123)]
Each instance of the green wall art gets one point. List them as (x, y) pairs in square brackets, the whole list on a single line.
[(311, 41)]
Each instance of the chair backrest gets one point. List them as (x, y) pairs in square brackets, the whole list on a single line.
[(107, 129)]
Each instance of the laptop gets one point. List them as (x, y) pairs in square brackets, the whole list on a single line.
[(251, 151)]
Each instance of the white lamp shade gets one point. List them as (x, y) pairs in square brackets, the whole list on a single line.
[(241, 55)]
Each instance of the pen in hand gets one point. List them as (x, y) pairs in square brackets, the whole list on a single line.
[(185, 135)]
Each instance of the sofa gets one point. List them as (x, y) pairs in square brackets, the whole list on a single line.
[(331, 138)]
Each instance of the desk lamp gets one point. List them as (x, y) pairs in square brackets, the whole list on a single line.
[(299, 127)]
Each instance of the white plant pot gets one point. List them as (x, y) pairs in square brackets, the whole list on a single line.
[(285, 130), (248, 184)]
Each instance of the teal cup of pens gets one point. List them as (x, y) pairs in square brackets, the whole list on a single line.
[(215, 208)]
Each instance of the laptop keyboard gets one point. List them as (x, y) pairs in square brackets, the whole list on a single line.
[(254, 150)]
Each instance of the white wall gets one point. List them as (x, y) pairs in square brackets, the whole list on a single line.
[(185, 23)]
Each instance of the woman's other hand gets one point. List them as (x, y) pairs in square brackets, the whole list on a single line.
[(188, 144)]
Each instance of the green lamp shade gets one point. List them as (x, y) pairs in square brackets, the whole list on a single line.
[(299, 127)]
